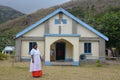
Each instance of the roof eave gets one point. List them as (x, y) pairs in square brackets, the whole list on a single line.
[(68, 14), (85, 25), (37, 23)]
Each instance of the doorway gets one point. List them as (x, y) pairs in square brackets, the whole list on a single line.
[(60, 51)]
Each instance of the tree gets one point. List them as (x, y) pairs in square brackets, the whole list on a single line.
[(109, 24)]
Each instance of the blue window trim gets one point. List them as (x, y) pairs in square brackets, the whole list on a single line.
[(76, 63), (64, 21), (57, 21), (87, 45), (87, 53)]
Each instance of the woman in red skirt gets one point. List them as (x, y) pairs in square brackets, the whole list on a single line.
[(35, 64)]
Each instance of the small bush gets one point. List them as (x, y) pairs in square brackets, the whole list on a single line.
[(3, 56), (12, 56), (98, 63)]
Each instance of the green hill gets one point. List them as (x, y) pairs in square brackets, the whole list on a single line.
[(7, 13), (90, 11)]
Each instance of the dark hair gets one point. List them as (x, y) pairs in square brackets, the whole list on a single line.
[(34, 44)]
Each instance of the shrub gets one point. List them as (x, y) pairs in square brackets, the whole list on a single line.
[(98, 63), (12, 56), (3, 56)]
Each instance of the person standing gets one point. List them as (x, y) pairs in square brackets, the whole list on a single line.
[(35, 64)]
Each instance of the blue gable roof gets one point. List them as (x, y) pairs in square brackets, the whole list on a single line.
[(66, 13)]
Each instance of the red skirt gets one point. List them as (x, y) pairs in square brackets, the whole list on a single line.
[(37, 73)]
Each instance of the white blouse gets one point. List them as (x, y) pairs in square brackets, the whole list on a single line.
[(37, 61)]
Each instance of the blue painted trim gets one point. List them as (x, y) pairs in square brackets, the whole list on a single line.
[(85, 25), (37, 23), (63, 35), (76, 63), (25, 59), (47, 63), (88, 53), (66, 13), (57, 21), (64, 21), (69, 59)]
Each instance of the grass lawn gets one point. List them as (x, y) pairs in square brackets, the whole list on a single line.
[(20, 71)]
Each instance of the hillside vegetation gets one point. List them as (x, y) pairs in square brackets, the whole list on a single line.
[(7, 13), (103, 15)]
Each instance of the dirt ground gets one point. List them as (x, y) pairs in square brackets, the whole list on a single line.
[(86, 71)]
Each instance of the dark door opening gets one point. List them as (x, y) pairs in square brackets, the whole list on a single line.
[(60, 51)]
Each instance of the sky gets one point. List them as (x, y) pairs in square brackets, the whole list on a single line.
[(30, 6)]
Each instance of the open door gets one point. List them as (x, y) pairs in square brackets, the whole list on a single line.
[(60, 51)]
